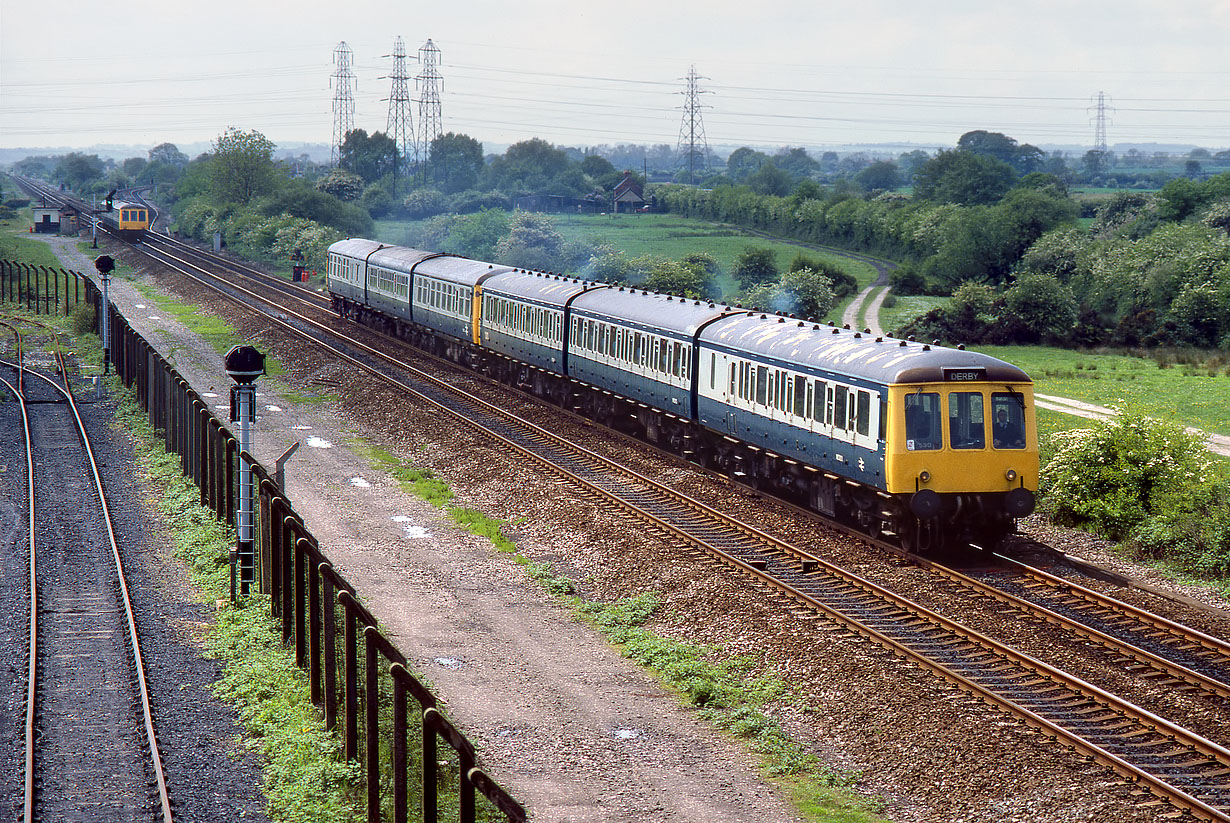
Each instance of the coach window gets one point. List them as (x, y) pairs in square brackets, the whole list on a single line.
[(762, 385), (922, 421), (818, 402), (800, 396), (966, 427), (1008, 420), (863, 415), (839, 407)]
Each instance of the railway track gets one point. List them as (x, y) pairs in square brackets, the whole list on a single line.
[(90, 748), (1181, 766)]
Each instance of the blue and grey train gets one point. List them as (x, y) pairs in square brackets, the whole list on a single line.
[(926, 445)]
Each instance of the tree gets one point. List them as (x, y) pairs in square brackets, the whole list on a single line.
[(754, 266), (455, 162), (477, 235), (344, 185), (77, 170), (596, 166), (841, 282), (769, 179), (963, 177), (1024, 158), (242, 166), (810, 293), (743, 162), (133, 166), (1042, 308), (532, 242), (168, 154), (369, 157), (528, 165), (796, 162), (881, 174), (299, 198), (673, 277)]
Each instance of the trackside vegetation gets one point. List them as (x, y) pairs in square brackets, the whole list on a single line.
[(725, 692), (1148, 484)]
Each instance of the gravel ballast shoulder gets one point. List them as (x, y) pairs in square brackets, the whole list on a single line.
[(573, 730)]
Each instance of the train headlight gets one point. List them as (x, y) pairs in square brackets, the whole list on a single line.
[(1010, 475), (924, 476)]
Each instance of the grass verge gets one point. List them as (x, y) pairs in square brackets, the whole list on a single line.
[(726, 693), (306, 778)]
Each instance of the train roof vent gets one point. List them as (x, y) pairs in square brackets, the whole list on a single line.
[(879, 339), (816, 327), (846, 327), (800, 324), (866, 331), (926, 347), (836, 331), (903, 344), (781, 320), (858, 335), (960, 347), (764, 317), (831, 323), (910, 338)]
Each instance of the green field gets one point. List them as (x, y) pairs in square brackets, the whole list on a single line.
[(666, 235), (1193, 395)]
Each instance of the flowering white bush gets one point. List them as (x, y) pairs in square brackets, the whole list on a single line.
[(1114, 476)]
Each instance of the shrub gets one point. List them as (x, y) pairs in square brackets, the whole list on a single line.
[(1124, 472), (82, 319)]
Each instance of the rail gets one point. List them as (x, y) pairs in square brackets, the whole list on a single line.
[(376, 705)]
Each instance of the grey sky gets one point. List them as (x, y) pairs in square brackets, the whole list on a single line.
[(793, 72)]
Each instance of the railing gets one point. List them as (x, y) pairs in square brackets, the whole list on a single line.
[(38, 287), (358, 678)]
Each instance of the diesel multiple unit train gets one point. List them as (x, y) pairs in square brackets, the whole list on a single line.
[(930, 446)]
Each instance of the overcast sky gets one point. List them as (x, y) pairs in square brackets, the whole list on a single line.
[(777, 72)]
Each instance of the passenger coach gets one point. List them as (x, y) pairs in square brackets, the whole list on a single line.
[(936, 446)]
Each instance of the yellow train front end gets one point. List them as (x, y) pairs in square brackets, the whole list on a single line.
[(962, 457), (132, 220)]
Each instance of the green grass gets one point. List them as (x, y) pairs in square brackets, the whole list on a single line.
[(672, 236), (1191, 395), (907, 308)]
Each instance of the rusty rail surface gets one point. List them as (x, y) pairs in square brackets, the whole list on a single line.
[(359, 680)]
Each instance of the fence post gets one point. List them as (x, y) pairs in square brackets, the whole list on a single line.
[(314, 631), (372, 699)]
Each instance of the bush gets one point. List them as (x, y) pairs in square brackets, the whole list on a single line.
[(82, 319), (1128, 475)]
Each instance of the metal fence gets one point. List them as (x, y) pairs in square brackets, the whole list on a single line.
[(38, 288), (389, 721)]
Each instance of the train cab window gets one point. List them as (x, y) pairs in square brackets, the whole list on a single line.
[(1008, 420), (922, 421), (966, 427), (862, 417)]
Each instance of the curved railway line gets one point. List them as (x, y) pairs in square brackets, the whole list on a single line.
[(1183, 767), (91, 751)]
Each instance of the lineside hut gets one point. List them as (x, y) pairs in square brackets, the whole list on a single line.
[(46, 219)]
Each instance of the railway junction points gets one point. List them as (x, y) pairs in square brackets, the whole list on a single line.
[(572, 729)]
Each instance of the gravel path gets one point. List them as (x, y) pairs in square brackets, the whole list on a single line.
[(573, 730)]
